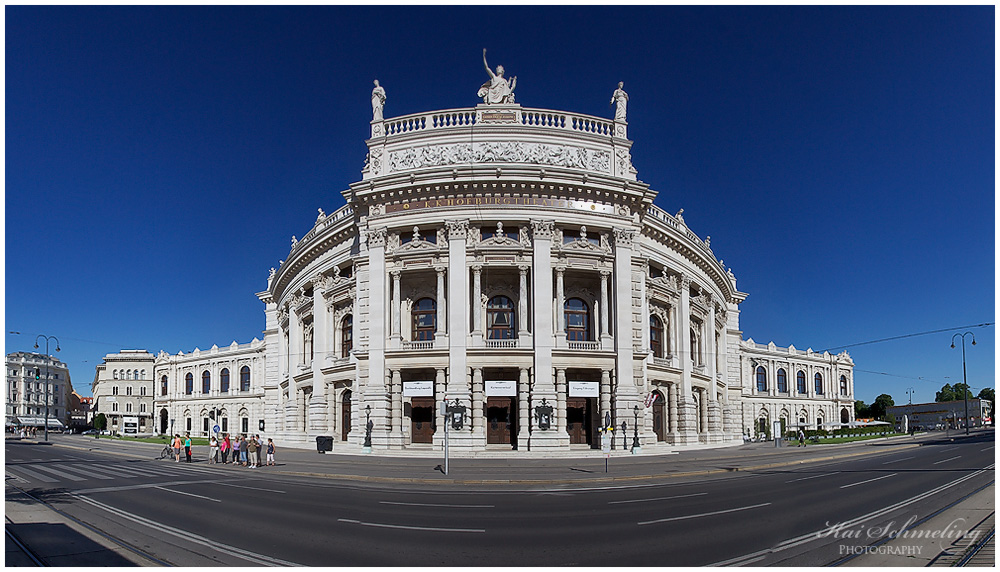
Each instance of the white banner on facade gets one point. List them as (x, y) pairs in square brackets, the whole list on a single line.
[(418, 389), (501, 388), (584, 389)]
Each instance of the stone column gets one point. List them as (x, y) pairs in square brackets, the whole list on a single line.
[(374, 390), (523, 409), (605, 394), (396, 391), (522, 302), (703, 403), (476, 423), (560, 303), (295, 358), (541, 274), (439, 394), (605, 325), (458, 320), (686, 412), (321, 349), (628, 393), (672, 407), (477, 301), (396, 307), (442, 303), (561, 401), (283, 349)]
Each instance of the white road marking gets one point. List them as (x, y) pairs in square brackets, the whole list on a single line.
[(85, 472), (188, 494), (438, 505), (34, 475), (111, 471), (898, 460), (139, 486), (673, 518), (58, 473), (818, 534), (251, 488), (812, 477), (656, 499), (946, 460), (400, 526), (16, 477), (869, 480), (986, 449), (259, 559)]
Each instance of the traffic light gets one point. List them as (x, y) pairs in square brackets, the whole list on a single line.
[(211, 415), (38, 374)]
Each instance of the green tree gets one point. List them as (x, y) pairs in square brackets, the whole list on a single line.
[(952, 392), (882, 402), (861, 410), (100, 422)]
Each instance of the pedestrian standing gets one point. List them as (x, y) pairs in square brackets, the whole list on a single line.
[(187, 446), (243, 450), (802, 438), (213, 450), (224, 447), (260, 449), (270, 452), (252, 450), (177, 447)]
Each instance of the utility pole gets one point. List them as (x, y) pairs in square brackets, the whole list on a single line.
[(909, 390), (965, 381), (48, 386)]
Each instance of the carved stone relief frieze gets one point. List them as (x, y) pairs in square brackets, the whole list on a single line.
[(496, 152), (542, 229), (457, 229)]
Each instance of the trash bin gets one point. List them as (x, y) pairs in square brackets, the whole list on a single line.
[(324, 443)]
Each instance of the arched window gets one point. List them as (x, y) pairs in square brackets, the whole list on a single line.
[(782, 381), (577, 320), (224, 380), (424, 319), (800, 381), (656, 336), (135, 374), (843, 385), (819, 384), (761, 379), (245, 378), (128, 375), (206, 381), (114, 374), (128, 390), (163, 385), (500, 319), (189, 384), (346, 335)]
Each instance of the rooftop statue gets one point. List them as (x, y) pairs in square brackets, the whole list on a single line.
[(620, 98), (498, 90), (378, 102)]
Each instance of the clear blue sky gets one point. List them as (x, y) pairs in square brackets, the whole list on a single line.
[(841, 158)]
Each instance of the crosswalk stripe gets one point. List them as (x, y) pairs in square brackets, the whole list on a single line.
[(108, 470), (34, 475), (85, 472), (59, 473)]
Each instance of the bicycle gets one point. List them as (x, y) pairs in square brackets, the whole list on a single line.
[(167, 452)]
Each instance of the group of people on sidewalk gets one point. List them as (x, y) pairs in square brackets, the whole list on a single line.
[(246, 450)]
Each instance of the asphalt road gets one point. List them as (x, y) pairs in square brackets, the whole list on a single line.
[(200, 514)]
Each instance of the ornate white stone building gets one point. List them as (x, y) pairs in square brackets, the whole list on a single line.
[(27, 391), (123, 388), (502, 258)]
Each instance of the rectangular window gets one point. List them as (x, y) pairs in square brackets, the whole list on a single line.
[(245, 424), (128, 390), (204, 424), (188, 424), (225, 424), (142, 390), (142, 408)]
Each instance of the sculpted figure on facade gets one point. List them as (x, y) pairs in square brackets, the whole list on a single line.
[(321, 216), (498, 90), (442, 237), (523, 236), (378, 101), (620, 99)]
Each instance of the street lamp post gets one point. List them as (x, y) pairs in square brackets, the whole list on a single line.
[(965, 381), (635, 430), (47, 338)]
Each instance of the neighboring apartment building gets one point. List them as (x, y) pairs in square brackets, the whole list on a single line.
[(32, 381), (80, 411), (941, 414), (123, 392)]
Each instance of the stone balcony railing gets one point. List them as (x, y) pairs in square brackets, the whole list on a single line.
[(589, 346), (502, 344), (418, 345), (543, 118)]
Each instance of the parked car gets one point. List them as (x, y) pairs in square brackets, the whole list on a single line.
[(91, 432)]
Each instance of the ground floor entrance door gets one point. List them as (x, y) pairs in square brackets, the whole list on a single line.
[(345, 415), (581, 419), (422, 419), (163, 421), (501, 421), (659, 419)]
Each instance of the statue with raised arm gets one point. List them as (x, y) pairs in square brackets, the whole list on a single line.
[(498, 89), (378, 101), (620, 98)]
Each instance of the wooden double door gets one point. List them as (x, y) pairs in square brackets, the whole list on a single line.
[(422, 419), (582, 420), (501, 421)]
